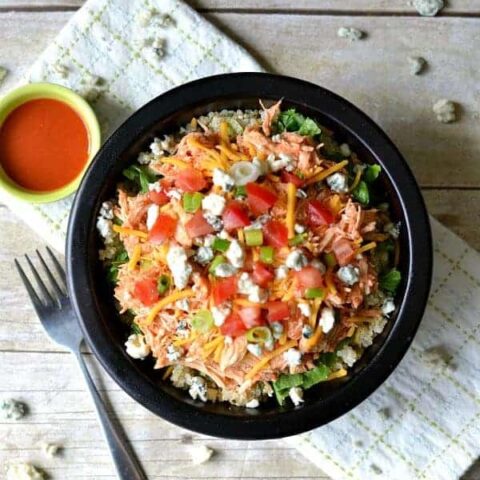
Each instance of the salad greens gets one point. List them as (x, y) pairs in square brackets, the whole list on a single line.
[(292, 121), (120, 258), (390, 281), (140, 176)]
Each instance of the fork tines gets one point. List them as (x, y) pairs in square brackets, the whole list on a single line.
[(50, 292)]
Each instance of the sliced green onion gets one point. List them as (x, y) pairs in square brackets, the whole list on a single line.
[(267, 254), (218, 260), (202, 321), (329, 259), (254, 237), (163, 283), (240, 191), (312, 293), (298, 239), (220, 244), (259, 335), (192, 201)]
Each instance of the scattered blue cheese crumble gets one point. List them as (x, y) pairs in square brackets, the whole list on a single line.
[(204, 255), (11, 409), (255, 349), (445, 111), (220, 314), (174, 353), (296, 395), (307, 331), (427, 8), (24, 471), (201, 454), (338, 182), (137, 347), (50, 449), (254, 403), (327, 319), (222, 179), (198, 389), (416, 64), (296, 260), (277, 329), (246, 286), (235, 254), (293, 357), (177, 262), (349, 274), (350, 33)]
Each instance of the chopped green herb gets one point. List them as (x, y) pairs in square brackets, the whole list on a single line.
[(259, 335), (141, 176), (311, 293), (218, 260), (361, 193), (240, 191), (220, 244), (390, 281), (163, 284), (135, 328), (192, 201), (298, 239), (267, 254), (304, 380), (253, 238), (315, 375), (202, 321), (329, 259), (119, 259), (371, 173), (292, 121)]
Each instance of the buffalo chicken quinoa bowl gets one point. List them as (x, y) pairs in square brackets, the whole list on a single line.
[(252, 255)]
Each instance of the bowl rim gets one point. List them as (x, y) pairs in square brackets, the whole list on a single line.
[(416, 290), (33, 91)]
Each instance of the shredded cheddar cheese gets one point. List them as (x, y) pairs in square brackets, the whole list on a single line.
[(291, 204), (356, 180), (210, 347), (167, 372), (314, 339), (167, 301), (184, 341), (337, 374), (313, 316), (241, 236), (175, 161), (137, 253), (266, 359), (224, 132), (326, 173), (218, 352), (366, 248), (130, 231)]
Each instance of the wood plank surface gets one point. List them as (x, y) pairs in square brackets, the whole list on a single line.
[(296, 38), (372, 73), (454, 7)]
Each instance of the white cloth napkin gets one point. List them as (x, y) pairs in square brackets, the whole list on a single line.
[(120, 54), (424, 422)]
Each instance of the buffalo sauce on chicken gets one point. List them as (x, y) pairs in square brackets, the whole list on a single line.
[(44, 145)]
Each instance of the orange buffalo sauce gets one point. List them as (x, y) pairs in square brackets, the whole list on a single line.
[(43, 145)]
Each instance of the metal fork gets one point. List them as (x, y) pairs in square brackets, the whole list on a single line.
[(56, 314)]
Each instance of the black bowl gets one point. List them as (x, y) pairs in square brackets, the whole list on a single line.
[(92, 297)]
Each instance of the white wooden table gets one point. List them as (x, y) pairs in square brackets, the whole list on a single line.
[(296, 38)]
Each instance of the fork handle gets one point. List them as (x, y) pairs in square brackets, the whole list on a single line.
[(126, 463)]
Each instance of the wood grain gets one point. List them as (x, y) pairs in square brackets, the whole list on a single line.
[(337, 6), (372, 73)]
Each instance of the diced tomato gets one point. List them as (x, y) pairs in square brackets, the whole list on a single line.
[(261, 274), (233, 326), (343, 251), (310, 277), (159, 198), (277, 311), (146, 291), (260, 199), (190, 180), (163, 229), (251, 316), (288, 177), (318, 213), (198, 226), (224, 289), (276, 234), (235, 216)]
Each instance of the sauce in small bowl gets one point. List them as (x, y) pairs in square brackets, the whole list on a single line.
[(48, 135)]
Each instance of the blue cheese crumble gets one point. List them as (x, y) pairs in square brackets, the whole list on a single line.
[(137, 347), (338, 182), (11, 409), (296, 395), (296, 260), (349, 274)]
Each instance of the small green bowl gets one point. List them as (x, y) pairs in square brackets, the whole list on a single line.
[(34, 91)]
